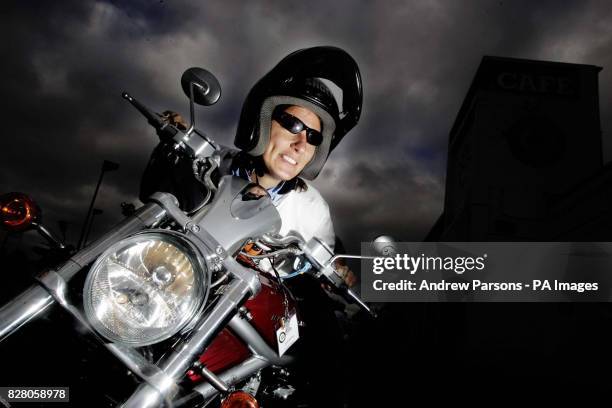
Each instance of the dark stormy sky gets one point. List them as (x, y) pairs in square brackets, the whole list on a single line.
[(65, 64)]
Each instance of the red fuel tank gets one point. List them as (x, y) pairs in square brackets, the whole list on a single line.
[(227, 350)]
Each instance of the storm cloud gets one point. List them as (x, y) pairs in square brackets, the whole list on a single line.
[(66, 63)]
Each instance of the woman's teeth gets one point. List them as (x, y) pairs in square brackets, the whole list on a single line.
[(289, 159)]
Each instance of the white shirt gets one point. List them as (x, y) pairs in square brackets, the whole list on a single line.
[(307, 213)]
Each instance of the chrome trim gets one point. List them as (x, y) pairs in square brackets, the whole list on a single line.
[(171, 205), (147, 216), (255, 342), (55, 284), (23, 308), (213, 379), (48, 235), (235, 374), (318, 252), (281, 241), (147, 371), (219, 280), (196, 145), (192, 107), (247, 276), (135, 361), (355, 298), (345, 256), (290, 251)]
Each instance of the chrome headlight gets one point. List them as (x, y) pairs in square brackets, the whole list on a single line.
[(144, 289)]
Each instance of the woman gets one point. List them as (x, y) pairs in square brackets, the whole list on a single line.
[(289, 124)]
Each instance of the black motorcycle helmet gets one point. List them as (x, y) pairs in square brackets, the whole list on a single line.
[(295, 81)]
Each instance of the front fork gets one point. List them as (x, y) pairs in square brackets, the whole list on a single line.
[(162, 389)]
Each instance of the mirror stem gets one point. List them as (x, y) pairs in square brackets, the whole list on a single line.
[(48, 235), (191, 107), (345, 256)]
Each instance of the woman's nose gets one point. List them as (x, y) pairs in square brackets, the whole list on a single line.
[(300, 142)]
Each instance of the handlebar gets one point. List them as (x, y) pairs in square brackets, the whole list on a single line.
[(154, 119), (164, 129), (352, 297), (348, 295)]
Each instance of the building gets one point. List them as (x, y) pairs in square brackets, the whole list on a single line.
[(525, 157)]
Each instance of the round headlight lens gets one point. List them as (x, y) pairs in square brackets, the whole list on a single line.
[(144, 289)]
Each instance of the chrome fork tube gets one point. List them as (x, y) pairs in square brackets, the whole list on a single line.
[(148, 215), (176, 364), (22, 309)]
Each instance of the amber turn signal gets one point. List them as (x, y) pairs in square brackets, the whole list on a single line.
[(18, 211), (240, 399)]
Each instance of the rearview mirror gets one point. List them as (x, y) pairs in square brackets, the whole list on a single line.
[(205, 87), (385, 245)]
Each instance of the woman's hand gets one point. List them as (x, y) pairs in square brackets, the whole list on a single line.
[(345, 273), (175, 119)]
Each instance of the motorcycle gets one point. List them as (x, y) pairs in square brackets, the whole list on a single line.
[(190, 296)]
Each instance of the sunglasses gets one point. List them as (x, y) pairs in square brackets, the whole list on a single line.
[(295, 126)]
